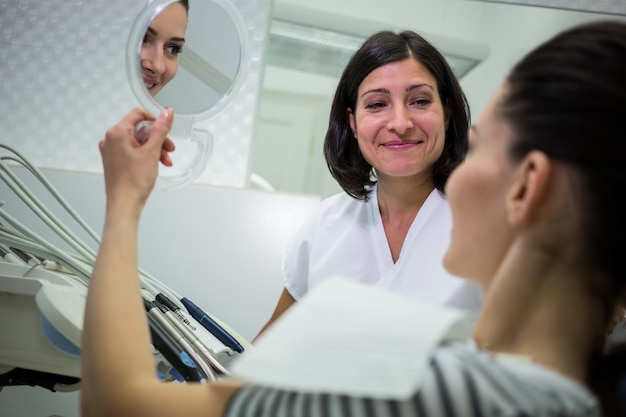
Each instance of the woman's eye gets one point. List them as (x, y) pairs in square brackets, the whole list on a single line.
[(421, 102), (375, 105), (174, 49)]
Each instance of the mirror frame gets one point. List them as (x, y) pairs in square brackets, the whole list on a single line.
[(185, 125)]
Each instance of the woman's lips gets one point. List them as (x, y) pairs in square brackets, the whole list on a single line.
[(399, 144), (149, 83)]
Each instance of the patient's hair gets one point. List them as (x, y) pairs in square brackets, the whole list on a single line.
[(567, 99)]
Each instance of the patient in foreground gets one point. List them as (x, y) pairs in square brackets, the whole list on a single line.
[(538, 213)]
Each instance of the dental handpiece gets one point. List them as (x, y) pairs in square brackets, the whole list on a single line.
[(155, 311), (200, 347), (162, 298)]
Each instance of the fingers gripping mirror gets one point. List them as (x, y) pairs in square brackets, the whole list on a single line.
[(192, 58)]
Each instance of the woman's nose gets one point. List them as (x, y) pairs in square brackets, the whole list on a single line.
[(400, 120), (152, 59)]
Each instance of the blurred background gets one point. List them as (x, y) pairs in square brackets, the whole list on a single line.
[(63, 77)]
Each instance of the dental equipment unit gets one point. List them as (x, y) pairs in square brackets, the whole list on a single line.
[(43, 285)]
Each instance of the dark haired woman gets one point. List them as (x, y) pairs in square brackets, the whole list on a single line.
[(398, 127)]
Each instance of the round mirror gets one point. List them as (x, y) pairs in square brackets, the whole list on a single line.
[(190, 57)]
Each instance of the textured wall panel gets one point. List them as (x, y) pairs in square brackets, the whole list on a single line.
[(63, 83)]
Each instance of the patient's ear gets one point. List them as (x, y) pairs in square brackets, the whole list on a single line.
[(530, 190)]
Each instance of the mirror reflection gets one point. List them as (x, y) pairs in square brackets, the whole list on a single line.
[(161, 46), (190, 56)]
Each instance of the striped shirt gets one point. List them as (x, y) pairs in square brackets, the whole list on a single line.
[(461, 382)]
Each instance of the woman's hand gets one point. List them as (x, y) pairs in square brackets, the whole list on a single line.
[(131, 168)]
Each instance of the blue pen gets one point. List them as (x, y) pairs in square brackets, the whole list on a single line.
[(211, 325)]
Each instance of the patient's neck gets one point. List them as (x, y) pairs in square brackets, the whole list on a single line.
[(538, 306)]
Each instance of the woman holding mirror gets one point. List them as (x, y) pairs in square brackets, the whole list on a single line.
[(162, 43), (541, 191)]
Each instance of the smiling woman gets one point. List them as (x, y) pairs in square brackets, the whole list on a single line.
[(174, 55), (399, 120), (398, 126), (161, 46)]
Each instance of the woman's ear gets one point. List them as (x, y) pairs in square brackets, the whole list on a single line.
[(352, 122), (530, 190)]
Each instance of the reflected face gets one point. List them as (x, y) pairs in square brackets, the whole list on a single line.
[(399, 120), (477, 192), (162, 44)]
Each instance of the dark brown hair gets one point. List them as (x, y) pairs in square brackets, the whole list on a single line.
[(567, 99)]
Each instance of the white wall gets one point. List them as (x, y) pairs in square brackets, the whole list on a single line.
[(511, 31)]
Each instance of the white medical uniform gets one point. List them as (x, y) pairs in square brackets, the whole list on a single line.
[(345, 238)]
